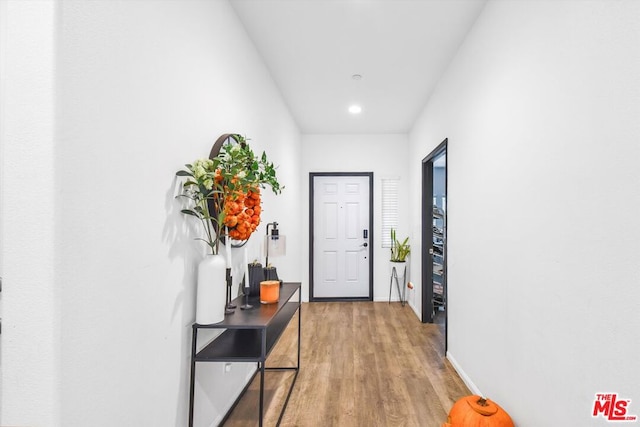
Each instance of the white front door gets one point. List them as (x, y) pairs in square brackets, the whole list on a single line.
[(341, 237)]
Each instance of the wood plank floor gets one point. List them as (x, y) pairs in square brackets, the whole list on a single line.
[(362, 364)]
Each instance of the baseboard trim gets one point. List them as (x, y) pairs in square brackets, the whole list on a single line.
[(465, 378), (385, 299), (415, 310)]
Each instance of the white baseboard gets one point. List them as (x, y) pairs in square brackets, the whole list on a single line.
[(385, 299), (465, 378), (415, 310)]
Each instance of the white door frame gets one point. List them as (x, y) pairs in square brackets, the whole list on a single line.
[(312, 176)]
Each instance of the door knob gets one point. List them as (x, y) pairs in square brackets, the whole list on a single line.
[(365, 244)]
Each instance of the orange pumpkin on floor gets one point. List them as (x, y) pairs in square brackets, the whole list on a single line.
[(476, 411)]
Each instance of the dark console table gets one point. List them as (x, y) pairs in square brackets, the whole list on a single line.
[(250, 336)]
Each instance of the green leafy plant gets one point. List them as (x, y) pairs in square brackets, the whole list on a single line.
[(199, 188), (239, 168), (399, 250), (212, 186)]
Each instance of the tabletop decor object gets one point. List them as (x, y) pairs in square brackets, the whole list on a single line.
[(269, 291), (223, 193)]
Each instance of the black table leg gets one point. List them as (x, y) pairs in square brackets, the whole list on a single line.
[(193, 375)]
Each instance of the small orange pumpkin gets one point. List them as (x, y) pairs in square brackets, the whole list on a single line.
[(476, 411)]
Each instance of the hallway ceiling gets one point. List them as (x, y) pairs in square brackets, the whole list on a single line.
[(313, 48)]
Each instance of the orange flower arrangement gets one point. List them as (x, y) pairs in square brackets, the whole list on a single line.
[(242, 213), (225, 191)]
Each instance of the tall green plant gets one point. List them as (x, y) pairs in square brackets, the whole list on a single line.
[(199, 188), (399, 251)]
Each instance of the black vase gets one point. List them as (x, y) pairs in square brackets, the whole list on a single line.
[(270, 273), (256, 275)]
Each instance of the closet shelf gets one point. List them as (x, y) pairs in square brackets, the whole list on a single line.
[(438, 254)]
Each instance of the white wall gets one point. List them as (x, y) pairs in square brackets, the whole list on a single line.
[(141, 88), (29, 355), (385, 156), (541, 109)]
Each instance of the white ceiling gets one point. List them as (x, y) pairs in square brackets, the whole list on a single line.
[(313, 47)]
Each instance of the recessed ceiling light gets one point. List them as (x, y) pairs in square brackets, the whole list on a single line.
[(356, 76), (355, 109)]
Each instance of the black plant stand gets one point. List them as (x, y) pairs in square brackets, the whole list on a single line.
[(394, 276)]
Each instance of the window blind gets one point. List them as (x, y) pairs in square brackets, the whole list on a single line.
[(389, 209)]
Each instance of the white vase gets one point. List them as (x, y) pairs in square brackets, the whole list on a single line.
[(212, 290), (399, 265)]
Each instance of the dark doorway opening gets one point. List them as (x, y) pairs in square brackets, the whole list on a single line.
[(434, 237)]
